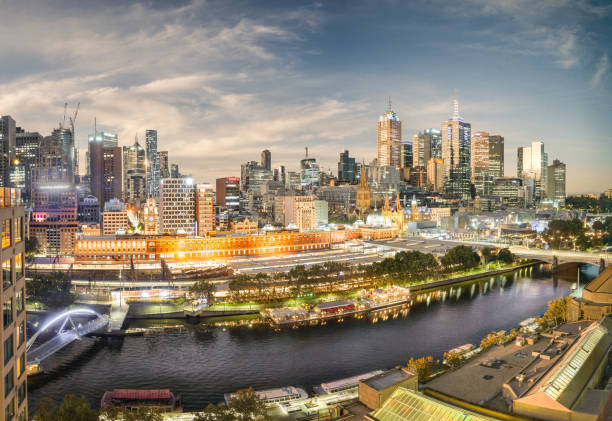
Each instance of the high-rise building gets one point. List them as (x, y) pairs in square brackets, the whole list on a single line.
[(300, 211), (105, 139), (174, 171), (309, 173), (164, 168), (433, 137), (266, 159), (555, 189), (66, 139), (52, 165), (134, 174), (487, 161), (7, 148), (532, 163), (253, 175), (88, 210), (435, 174), (153, 166), (362, 196), (421, 149), (509, 190), (389, 138), (177, 206), (228, 194), (27, 147), (456, 154), (13, 399), (407, 155), (204, 212), (106, 171), (346, 168), (280, 175), (321, 213)]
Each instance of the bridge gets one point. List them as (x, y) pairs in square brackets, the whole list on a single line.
[(68, 332)]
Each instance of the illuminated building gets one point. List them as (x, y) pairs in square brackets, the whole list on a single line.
[(266, 159), (309, 173), (487, 161), (556, 182), (389, 138), (52, 165), (421, 149), (7, 148), (346, 168), (92, 230), (509, 189), (182, 247), (88, 210), (456, 146), (65, 137), (300, 210), (280, 175), (244, 226), (221, 218), (152, 166), (104, 139), (177, 206), (164, 168), (228, 194), (433, 137), (418, 177), (532, 163), (150, 216), (204, 214), (393, 216), (106, 168), (253, 175), (362, 198), (135, 174), (26, 150), (293, 180), (114, 217), (13, 399), (435, 174)]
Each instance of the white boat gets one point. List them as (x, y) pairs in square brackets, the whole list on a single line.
[(347, 383), (276, 396)]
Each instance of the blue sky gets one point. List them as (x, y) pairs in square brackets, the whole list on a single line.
[(221, 80)]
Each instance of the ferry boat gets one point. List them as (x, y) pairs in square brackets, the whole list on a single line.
[(161, 399), (272, 397)]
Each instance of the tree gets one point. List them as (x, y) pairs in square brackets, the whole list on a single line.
[(422, 366), (453, 359), (53, 290), (203, 289), (556, 312), (487, 254), (244, 405), (132, 414), (505, 255), (461, 257), (73, 408), (32, 248)]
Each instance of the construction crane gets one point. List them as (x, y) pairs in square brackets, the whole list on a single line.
[(73, 118)]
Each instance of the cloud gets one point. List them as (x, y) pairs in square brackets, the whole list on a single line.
[(601, 69)]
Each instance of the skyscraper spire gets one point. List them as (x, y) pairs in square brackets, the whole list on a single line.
[(455, 109), (389, 107)]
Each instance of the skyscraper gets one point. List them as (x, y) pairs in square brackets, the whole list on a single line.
[(134, 174), (487, 161), (346, 168), (106, 171), (309, 173), (266, 159), (204, 214), (228, 194), (421, 149), (66, 138), (389, 138), (13, 370), (106, 139), (532, 163), (153, 167), (555, 189), (177, 206), (27, 146), (7, 148), (456, 153), (164, 167), (433, 137), (435, 174)]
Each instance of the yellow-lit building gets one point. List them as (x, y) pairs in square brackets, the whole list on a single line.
[(150, 216), (362, 196)]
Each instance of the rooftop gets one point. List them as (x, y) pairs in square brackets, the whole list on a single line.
[(602, 284), (388, 378)]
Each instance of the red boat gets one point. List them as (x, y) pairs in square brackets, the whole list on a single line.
[(161, 399)]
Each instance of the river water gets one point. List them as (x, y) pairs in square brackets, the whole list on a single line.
[(201, 363)]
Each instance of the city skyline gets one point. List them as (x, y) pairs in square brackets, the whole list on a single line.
[(286, 72)]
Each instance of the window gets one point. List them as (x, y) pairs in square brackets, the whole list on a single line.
[(6, 233), (21, 331), (19, 269), (21, 365), (8, 349), (18, 229), (20, 301), (21, 394), (7, 275), (9, 384), (7, 312)]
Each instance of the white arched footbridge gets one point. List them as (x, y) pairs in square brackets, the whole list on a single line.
[(68, 331)]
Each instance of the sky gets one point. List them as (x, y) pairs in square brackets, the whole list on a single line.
[(222, 80)]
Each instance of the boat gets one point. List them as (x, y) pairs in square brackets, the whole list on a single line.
[(272, 397), (161, 399), (345, 384)]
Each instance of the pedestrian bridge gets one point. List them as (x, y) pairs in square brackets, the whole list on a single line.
[(68, 332)]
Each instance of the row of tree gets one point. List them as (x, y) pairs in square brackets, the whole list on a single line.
[(573, 234), (243, 406), (406, 267)]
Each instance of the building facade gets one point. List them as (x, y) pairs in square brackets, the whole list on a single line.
[(555, 180), (228, 194), (114, 217), (134, 174), (435, 174), (421, 149), (389, 138), (532, 163), (13, 398), (456, 154), (266, 159), (204, 212), (7, 148), (346, 168), (177, 206), (152, 166)]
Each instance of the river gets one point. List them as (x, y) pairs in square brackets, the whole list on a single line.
[(201, 363)]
